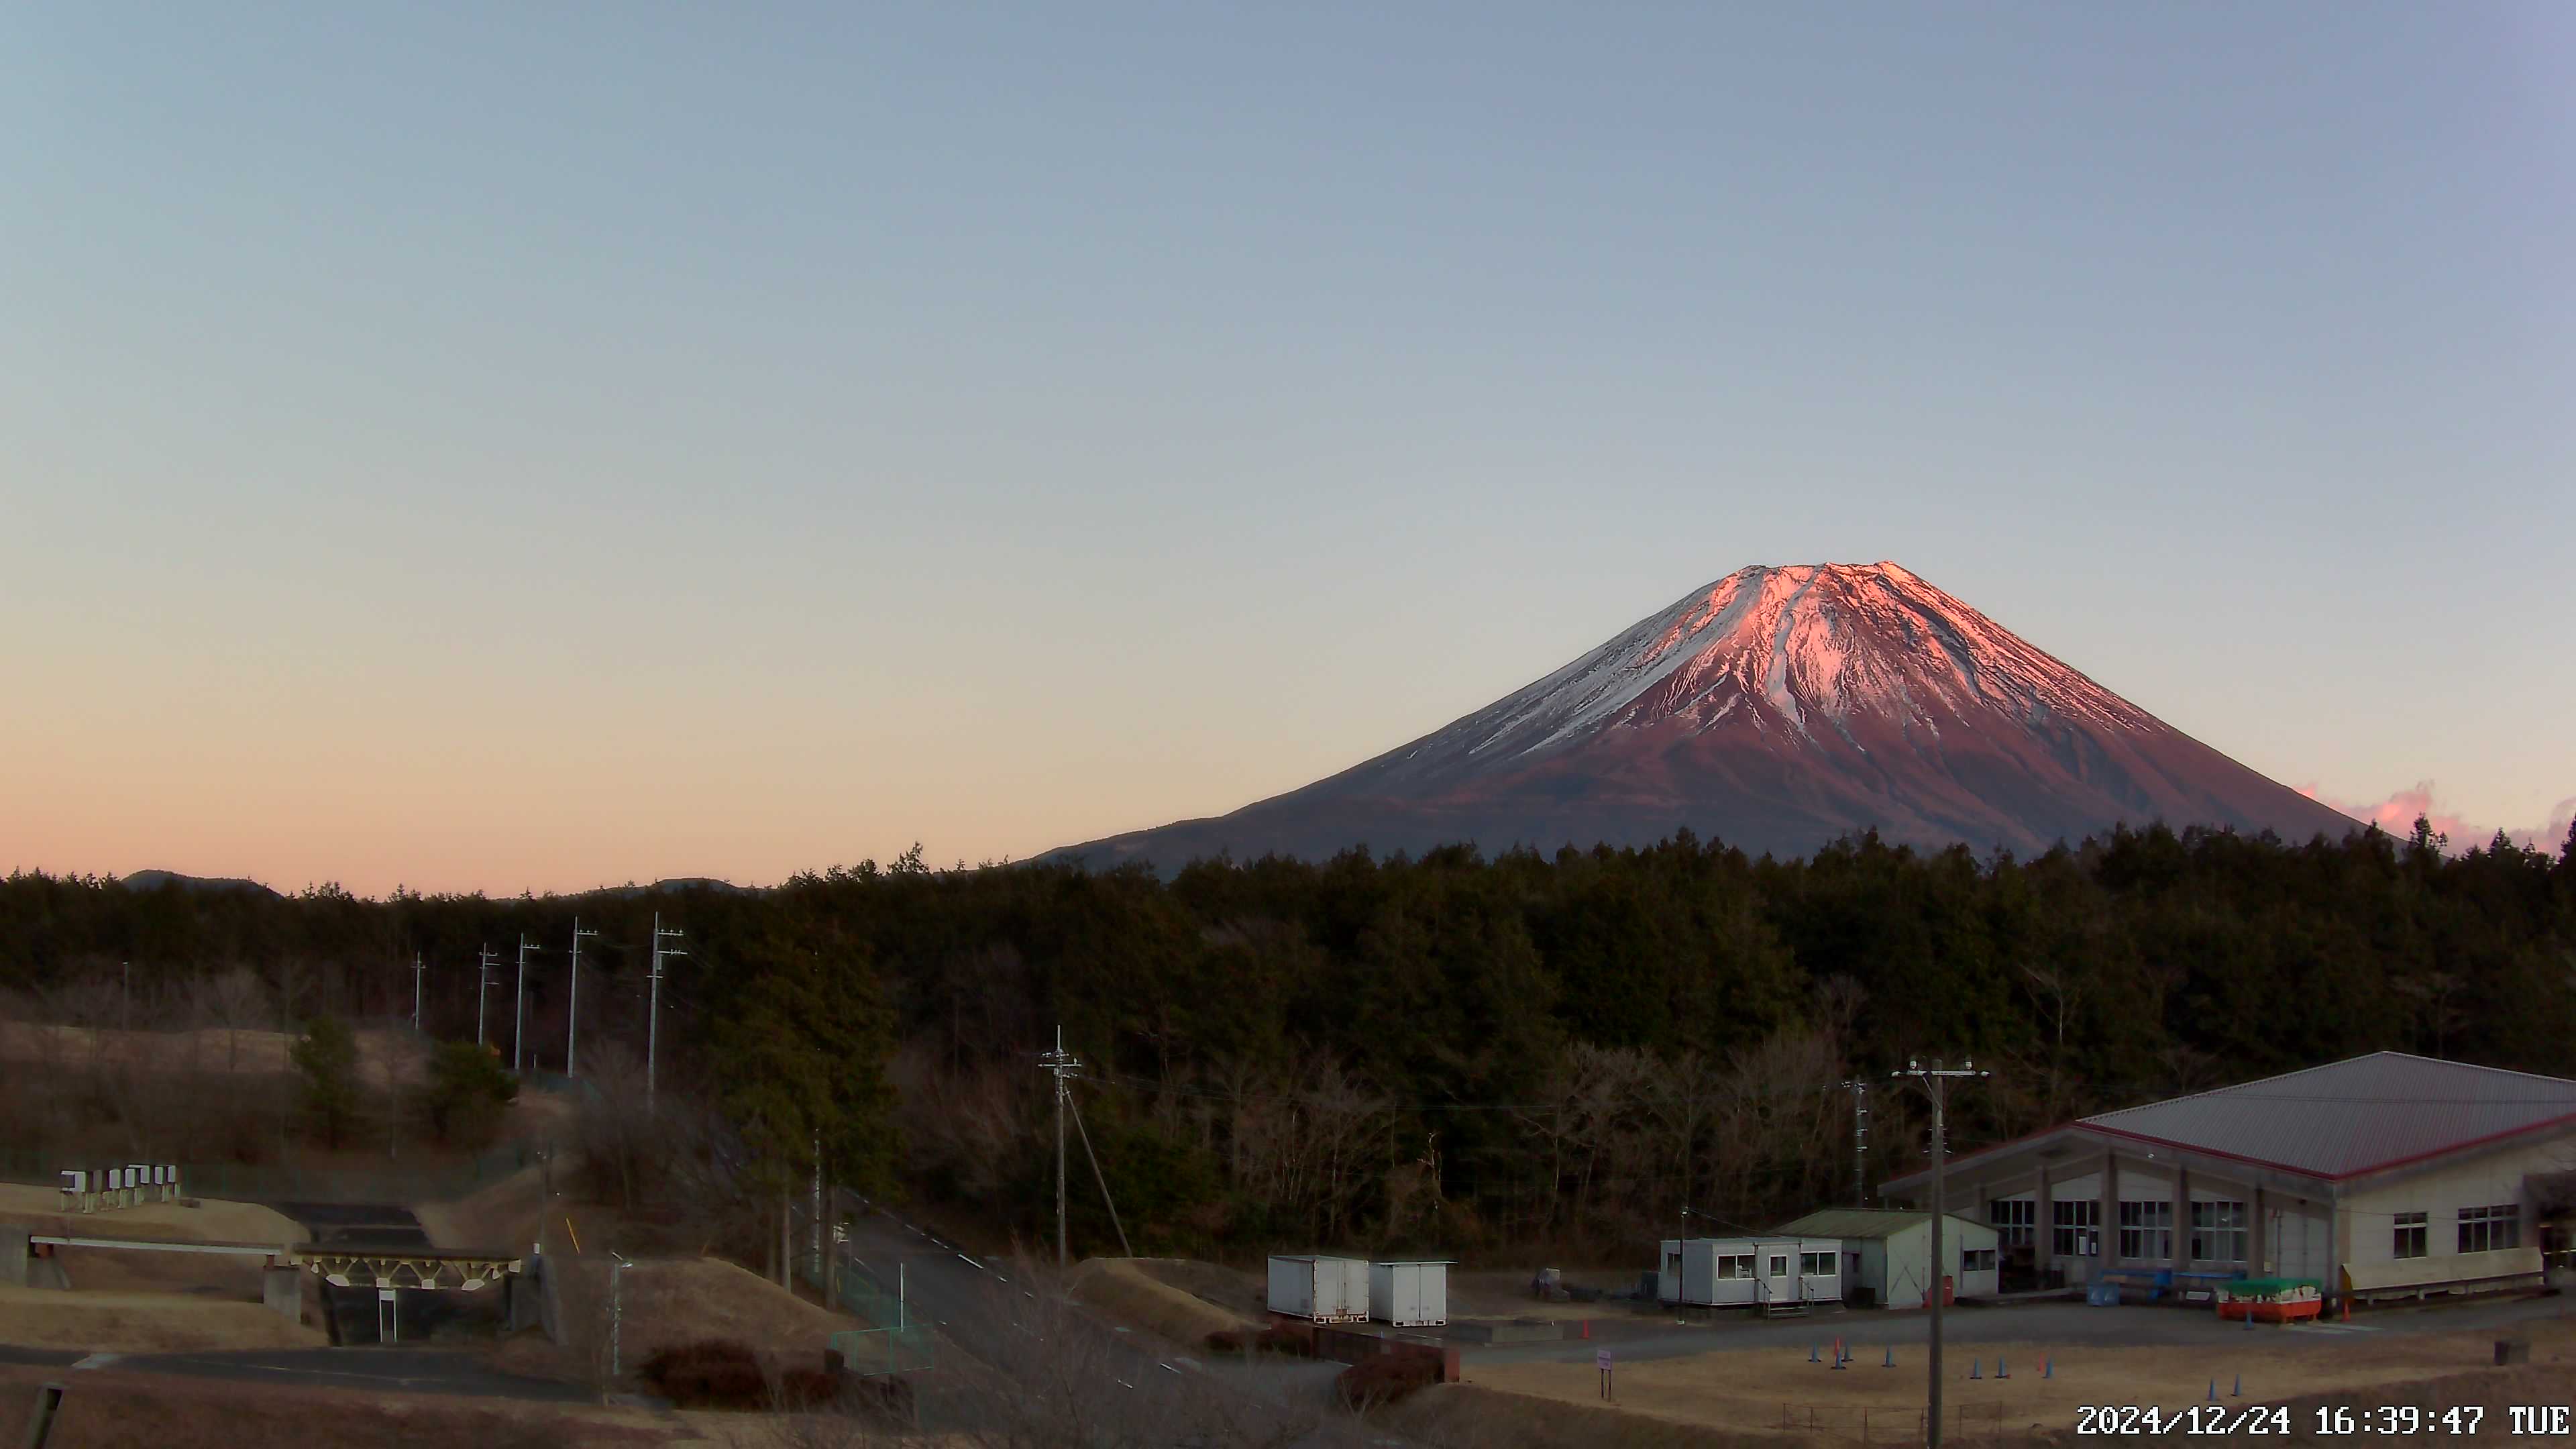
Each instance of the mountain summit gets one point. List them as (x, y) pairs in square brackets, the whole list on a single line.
[(1776, 709)]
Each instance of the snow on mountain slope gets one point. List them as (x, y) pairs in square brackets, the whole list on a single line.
[(1775, 709)]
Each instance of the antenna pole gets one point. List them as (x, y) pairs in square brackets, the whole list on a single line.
[(1860, 1140), (1935, 1081)]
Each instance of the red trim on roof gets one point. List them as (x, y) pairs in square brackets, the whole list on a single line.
[(2411, 1158), (2081, 1125)]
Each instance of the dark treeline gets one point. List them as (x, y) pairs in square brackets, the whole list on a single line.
[(1451, 1052)]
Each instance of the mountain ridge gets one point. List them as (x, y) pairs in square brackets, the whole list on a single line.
[(1776, 709)]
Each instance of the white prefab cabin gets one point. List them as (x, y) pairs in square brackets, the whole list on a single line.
[(1752, 1272), (1320, 1289), (1887, 1254), (1409, 1294)]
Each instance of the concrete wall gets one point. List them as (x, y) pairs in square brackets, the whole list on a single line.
[(281, 1290), (16, 1254)]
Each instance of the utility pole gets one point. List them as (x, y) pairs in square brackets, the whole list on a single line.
[(129, 996), (1066, 1066), (653, 1013), (572, 1032), (483, 984), (1860, 1140), (519, 1005), (1935, 1081), (416, 971)]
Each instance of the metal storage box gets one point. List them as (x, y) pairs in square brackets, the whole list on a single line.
[(1409, 1294), (1320, 1290)]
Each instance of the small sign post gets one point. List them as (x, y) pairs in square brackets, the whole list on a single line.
[(1601, 1360)]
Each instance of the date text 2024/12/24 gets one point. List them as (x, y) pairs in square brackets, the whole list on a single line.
[(2554, 1420)]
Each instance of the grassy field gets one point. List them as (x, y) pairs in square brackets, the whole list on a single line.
[(1135, 1291), (143, 1322), (1774, 1390)]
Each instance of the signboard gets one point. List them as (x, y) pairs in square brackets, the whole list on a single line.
[(1601, 1360)]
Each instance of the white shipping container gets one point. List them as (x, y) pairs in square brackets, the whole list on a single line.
[(1409, 1295), (1321, 1290)]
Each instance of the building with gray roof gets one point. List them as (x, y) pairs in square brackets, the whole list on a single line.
[(2387, 1175)]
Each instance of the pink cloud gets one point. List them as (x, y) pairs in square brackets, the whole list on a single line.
[(2398, 813)]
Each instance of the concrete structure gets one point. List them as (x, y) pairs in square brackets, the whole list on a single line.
[(17, 1254), (1782, 1269), (1409, 1294), (281, 1290), (1320, 1290), (2383, 1176), (1887, 1254)]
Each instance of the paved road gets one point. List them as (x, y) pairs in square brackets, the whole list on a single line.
[(377, 1370), (972, 1303), (2051, 1324)]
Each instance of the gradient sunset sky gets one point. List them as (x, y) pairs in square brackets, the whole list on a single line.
[(530, 447)]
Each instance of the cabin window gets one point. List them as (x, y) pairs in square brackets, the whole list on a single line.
[(2410, 1235), (1779, 1265), (1816, 1265), (1734, 1265), (2483, 1229), (2146, 1230), (2075, 1228), (1977, 1260), (2218, 1232)]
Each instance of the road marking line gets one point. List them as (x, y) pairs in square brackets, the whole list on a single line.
[(98, 1360)]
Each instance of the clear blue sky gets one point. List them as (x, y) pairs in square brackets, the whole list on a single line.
[(502, 446)]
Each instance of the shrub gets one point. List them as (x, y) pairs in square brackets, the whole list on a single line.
[(1385, 1379), (801, 1390), (714, 1373)]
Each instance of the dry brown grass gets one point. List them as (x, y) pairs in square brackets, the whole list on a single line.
[(143, 1322), (211, 1221), (1753, 1390), (1123, 1289), (665, 1304), (202, 1049), (510, 1213), (113, 1409)]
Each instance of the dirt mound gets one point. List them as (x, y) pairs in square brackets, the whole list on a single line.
[(211, 1221), (1128, 1290), (142, 1323), (204, 1049), (509, 1214), (1229, 1289)]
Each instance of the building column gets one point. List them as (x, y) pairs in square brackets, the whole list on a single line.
[(2108, 1208), (2043, 1227), (2181, 1218), (2257, 1239)]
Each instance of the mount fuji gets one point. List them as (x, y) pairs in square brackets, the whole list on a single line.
[(1774, 710)]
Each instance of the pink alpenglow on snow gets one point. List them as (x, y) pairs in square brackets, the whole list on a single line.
[(1775, 709), (2398, 813)]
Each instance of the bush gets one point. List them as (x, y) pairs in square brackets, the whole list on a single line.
[(465, 1094), (715, 1373), (802, 1390), (1385, 1379)]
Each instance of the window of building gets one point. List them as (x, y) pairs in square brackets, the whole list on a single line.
[(1816, 1265), (2075, 1228), (2218, 1232), (2410, 1235), (1779, 1265), (2146, 1230), (2013, 1220), (1734, 1265), (2483, 1229), (1977, 1260)]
